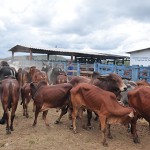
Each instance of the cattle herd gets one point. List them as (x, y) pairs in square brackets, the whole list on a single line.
[(112, 99)]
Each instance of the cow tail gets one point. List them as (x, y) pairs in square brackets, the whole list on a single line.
[(22, 96), (10, 95)]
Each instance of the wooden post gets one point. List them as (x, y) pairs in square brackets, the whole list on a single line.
[(30, 57), (65, 67), (71, 57), (135, 72), (47, 57), (12, 59)]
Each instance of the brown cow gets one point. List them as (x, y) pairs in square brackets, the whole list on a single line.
[(50, 96), (9, 91), (142, 83), (37, 75), (139, 99), (103, 103), (23, 76), (26, 97), (61, 78), (111, 82)]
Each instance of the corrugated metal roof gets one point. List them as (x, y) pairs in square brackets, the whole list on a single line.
[(61, 51), (134, 51)]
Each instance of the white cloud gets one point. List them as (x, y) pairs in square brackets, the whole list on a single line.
[(111, 26)]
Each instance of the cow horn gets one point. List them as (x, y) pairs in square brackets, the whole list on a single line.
[(131, 115)]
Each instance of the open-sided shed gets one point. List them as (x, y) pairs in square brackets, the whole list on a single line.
[(88, 57)]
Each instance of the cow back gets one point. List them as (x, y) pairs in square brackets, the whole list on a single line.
[(139, 99)]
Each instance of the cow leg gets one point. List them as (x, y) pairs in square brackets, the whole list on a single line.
[(27, 114), (109, 133), (134, 131), (80, 114), (96, 117), (74, 117), (89, 117), (3, 119), (44, 117), (63, 112), (103, 128), (24, 109), (7, 123), (34, 107), (37, 110), (14, 107), (12, 120)]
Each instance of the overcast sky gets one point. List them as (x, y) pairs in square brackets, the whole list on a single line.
[(111, 26)]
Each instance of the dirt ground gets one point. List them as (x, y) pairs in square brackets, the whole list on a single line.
[(60, 137)]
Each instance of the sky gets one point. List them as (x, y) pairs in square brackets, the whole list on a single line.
[(110, 26)]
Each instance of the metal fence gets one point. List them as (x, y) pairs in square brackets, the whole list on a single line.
[(129, 72)]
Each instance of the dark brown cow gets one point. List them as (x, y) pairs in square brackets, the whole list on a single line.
[(9, 91), (103, 103), (45, 97), (61, 78), (139, 99), (26, 97)]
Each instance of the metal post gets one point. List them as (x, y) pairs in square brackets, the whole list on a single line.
[(135, 72), (78, 68), (95, 67)]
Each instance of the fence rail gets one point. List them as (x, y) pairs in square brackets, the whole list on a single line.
[(129, 72)]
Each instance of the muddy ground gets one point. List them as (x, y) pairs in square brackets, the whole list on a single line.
[(60, 137)]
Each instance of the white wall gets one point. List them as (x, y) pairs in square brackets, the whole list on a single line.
[(140, 58)]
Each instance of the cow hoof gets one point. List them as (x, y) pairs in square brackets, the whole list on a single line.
[(2, 122), (56, 122), (75, 131), (85, 127), (11, 128), (33, 125), (110, 136), (71, 127), (89, 127), (136, 140), (105, 144), (8, 132)]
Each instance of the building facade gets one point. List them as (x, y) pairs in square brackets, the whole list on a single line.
[(140, 57)]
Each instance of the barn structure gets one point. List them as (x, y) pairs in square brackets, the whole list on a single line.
[(83, 57), (140, 57)]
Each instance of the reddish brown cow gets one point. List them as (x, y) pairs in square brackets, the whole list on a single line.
[(142, 83), (9, 91), (111, 82), (23, 76), (37, 75), (139, 99), (26, 97), (45, 97), (103, 103)]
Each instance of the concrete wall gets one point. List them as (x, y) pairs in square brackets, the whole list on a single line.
[(140, 58)]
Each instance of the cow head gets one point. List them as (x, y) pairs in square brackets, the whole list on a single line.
[(35, 87), (111, 82)]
